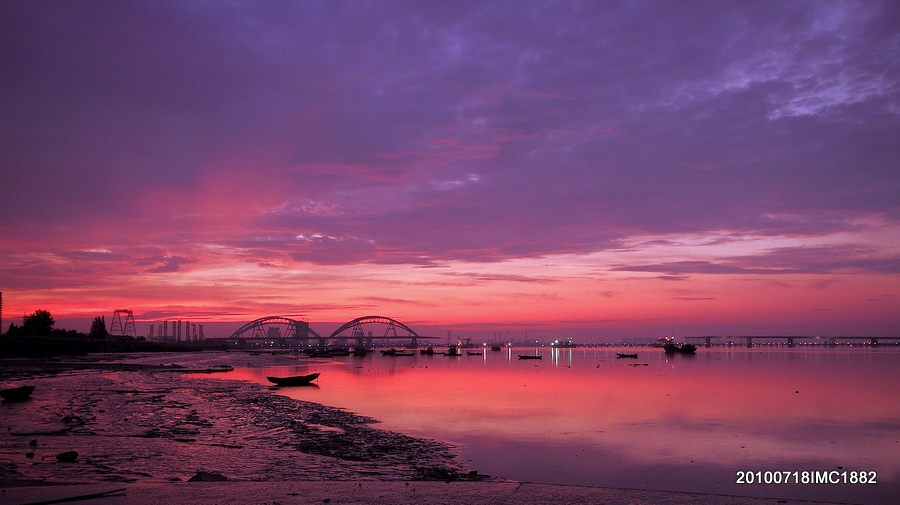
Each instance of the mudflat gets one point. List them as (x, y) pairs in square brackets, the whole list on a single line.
[(142, 418)]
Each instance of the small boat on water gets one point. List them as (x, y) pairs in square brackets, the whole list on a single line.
[(296, 380), (495, 348), (472, 353), (625, 355), (18, 394), (453, 351), (529, 356)]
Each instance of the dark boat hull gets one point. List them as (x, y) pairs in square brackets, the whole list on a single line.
[(18, 394), (527, 356), (297, 380), (394, 352), (623, 355)]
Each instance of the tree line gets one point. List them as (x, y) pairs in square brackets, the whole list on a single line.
[(40, 323)]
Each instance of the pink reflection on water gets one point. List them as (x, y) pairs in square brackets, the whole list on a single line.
[(585, 415)]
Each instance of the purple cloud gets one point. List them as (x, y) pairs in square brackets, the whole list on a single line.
[(178, 136), (785, 260)]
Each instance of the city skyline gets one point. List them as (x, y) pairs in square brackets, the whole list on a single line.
[(581, 169)]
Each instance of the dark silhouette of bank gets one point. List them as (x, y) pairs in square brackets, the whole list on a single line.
[(37, 337)]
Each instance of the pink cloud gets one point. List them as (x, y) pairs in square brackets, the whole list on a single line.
[(149, 142)]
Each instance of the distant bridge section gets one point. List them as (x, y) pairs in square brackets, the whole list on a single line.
[(790, 340)]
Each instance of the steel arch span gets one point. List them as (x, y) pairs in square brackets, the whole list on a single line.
[(259, 327), (389, 332)]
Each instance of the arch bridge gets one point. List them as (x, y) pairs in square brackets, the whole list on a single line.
[(278, 329), (357, 334), (284, 331)]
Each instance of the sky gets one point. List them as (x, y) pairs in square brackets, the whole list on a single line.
[(588, 169)]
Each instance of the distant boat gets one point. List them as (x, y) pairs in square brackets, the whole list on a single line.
[(452, 351), (495, 348), (528, 356), (296, 380), (672, 348), (624, 355), (474, 353), (360, 351), (18, 394), (320, 353), (395, 352)]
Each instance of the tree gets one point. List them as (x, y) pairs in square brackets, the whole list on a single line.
[(98, 328), (40, 323)]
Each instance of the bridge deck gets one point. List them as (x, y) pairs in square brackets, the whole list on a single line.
[(790, 339)]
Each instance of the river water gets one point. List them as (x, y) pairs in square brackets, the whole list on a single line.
[(582, 416)]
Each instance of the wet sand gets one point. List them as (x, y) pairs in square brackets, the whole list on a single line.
[(136, 418), (369, 493), (145, 428)]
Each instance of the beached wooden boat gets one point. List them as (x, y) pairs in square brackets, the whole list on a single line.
[(296, 380), (16, 394), (624, 355), (529, 356)]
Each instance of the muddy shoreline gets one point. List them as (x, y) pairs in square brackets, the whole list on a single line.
[(138, 418)]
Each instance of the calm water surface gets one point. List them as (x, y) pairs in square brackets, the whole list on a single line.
[(582, 416)]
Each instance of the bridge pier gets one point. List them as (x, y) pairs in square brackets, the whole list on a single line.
[(364, 342), (749, 342), (790, 341), (708, 342), (874, 342)]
